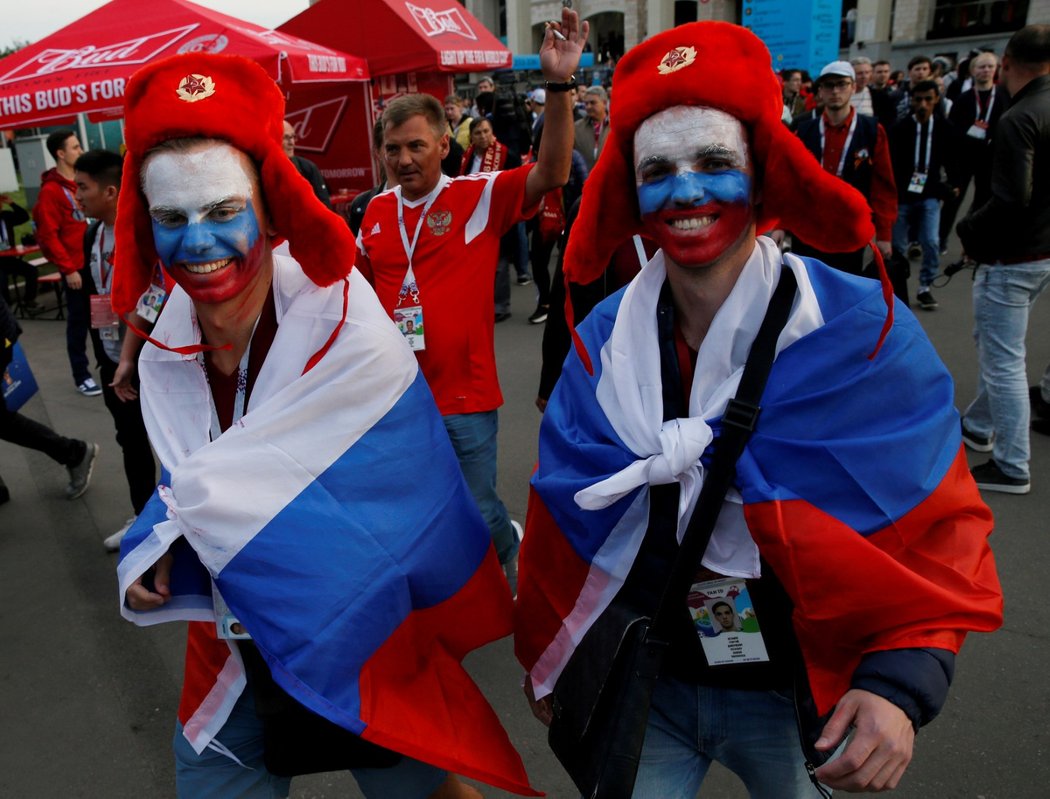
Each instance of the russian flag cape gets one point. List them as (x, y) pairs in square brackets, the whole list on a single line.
[(854, 487), (335, 522)]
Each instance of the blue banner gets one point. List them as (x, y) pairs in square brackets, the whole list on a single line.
[(532, 61), (800, 34)]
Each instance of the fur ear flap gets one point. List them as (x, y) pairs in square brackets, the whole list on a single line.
[(608, 212), (318, 238), (134, 241)]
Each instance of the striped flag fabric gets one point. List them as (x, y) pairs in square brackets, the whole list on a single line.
[(854, 486), (335, 523)]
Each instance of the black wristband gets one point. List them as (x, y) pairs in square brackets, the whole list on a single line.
[(568, 86)]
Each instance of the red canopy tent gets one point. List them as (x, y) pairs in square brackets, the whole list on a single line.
[(400, 36), (410, 45), (85, 66)]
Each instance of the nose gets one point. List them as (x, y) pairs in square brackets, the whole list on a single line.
[(688, 189), (198, 238)]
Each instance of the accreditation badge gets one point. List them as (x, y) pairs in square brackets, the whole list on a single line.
[(917, 184), (978, 130), (409, 321), (725, 620), (151, 303), (103, 318), (227, 625)]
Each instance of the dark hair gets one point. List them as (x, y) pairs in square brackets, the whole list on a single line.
[(485, 101), (1030, 45), (57, 141), (474, 122), (920, 59), (377, 133), (880, 63), (102, 166), (786, 74), (926, 86), (401, 109), (721, 602)]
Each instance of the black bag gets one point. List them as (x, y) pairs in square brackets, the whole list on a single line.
[(601, 700), (297, 740)]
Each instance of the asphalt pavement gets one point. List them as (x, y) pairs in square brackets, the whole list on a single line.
[(87, 700)]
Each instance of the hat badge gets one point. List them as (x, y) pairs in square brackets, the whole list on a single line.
[(195, 87), (678, 58)]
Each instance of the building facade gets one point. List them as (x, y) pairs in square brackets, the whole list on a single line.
[(894, 30)]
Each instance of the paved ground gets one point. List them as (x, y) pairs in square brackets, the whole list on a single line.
[(87, 701)]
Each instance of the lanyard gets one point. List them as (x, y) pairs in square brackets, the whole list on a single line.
[(408, 285), (105, 277), (987, 113), (78, 215), (845, 147), (929, 146), (239, 394)]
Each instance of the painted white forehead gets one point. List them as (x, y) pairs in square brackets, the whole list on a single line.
[(679, 130), (191, 178)]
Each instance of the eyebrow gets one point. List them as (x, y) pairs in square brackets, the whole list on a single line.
[(167, 209), (712, 150)]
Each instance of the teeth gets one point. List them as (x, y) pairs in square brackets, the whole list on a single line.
[(693, 223), (204, 269)]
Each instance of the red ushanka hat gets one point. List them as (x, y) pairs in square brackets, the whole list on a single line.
[(232, 99), (723, 66)]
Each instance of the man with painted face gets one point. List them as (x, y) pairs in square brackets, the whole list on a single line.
[(843, 485), (326, 615)]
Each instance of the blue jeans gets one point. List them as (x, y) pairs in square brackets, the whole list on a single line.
[(473, 437), (926, 214), (1002, 298), (752, 733), (212, 775)]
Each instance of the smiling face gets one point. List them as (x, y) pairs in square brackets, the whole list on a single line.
[(413, 152), (208, 219), (694, 177)]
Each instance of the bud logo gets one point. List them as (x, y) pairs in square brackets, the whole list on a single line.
[(210, 43), (315, 124), (131, 51), (435, 23)]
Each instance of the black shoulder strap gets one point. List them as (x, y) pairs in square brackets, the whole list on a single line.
[(738, 422)]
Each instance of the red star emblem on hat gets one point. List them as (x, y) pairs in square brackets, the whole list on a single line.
[(195, 87), (678, 58), (192, 84)]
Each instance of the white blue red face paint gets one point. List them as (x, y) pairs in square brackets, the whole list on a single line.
[(206, 219), (694, 182)]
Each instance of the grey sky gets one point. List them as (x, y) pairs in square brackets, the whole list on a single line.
[(39, 18)]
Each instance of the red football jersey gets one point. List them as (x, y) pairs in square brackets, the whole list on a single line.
[(454, 263)]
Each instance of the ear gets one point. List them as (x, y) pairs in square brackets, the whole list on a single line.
[(443, 146), (111, 193)]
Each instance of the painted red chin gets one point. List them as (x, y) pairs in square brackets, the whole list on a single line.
[(698, 236), (221, 281)]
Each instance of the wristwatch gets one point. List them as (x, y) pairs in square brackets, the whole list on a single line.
[(568, 86)]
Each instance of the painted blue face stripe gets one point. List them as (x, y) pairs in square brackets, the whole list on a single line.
[(694, 188), (208, 239)]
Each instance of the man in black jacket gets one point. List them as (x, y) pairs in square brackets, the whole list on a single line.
[(1009, 237), (922, 148), (975, 115)]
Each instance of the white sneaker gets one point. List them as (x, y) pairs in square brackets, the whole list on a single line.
[(112, 543)]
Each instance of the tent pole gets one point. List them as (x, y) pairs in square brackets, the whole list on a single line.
[(82, 130)]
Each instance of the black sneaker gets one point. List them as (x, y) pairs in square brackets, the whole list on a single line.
[(914, 251), (975, 442), (990, 477), (926, 300), (539, 316), (524, 280), (1040, 407), (502, 316)]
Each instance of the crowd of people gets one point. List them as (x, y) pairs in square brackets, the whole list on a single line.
[(323, 402)]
